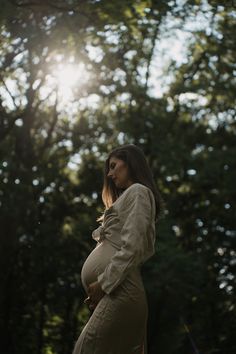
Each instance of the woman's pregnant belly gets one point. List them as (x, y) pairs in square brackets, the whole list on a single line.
[(96, 263)]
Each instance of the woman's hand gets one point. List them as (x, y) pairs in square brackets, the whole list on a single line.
[(95, 293)]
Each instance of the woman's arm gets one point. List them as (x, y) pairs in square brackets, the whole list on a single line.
[(137, 235)]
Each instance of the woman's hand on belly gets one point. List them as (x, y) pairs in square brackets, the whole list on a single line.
[(95, 294)]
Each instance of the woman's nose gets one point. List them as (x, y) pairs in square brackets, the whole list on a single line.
[(109, 174)]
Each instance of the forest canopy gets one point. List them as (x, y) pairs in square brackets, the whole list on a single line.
[(77, 79)]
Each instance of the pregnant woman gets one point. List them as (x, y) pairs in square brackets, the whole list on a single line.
[(111, 275)]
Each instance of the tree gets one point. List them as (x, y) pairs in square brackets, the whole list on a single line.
[(52, 153)]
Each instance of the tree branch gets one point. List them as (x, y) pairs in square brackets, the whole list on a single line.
[(11, 121), (149, 59), (52, 126), (9, 93)]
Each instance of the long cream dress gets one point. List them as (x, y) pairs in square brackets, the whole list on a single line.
[(125, 240)]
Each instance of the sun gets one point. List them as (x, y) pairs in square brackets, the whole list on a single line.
[(69, 76), (64, 81)]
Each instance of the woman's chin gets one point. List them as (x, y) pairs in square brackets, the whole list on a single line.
[(117, 184)]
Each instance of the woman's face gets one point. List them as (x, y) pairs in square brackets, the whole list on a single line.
[(118, 172)]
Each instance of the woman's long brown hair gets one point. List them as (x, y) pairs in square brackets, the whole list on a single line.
[(139, 172)]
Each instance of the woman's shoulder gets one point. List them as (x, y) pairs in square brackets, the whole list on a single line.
[(136, 189), (136, 196)]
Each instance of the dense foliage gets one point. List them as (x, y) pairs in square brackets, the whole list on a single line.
[(53, 142)]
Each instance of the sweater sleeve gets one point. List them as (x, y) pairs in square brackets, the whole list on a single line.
[(137, 236)]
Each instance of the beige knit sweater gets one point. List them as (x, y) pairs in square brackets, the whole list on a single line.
[(129, 224)]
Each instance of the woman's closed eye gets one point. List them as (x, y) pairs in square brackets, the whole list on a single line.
[(112, 166)]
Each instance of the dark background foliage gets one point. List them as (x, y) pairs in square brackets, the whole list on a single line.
[(52, 152)]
